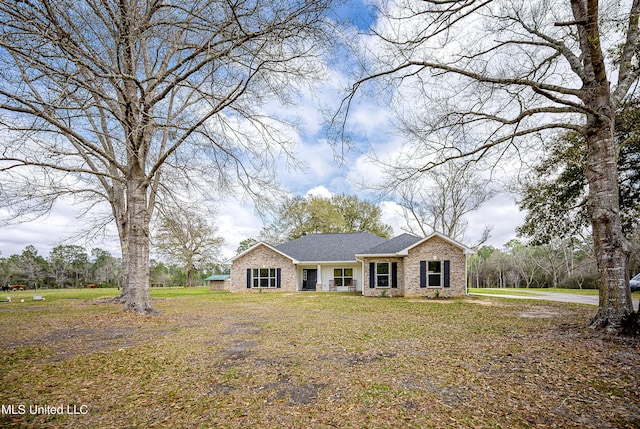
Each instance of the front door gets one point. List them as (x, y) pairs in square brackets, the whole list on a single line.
[(309, 279)]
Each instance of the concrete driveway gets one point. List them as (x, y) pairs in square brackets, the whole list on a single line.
[(553, 296)]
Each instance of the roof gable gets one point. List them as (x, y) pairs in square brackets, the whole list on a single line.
[(393, 246), (465, 249), (263, 244), (329, 247), (402, 244)]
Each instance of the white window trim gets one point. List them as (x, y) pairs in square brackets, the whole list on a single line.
[(388, 275), (272, 280), (343, 277), (433, 273)]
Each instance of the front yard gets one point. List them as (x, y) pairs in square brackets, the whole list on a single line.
[(310, 360)]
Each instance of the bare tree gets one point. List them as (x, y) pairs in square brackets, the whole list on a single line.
[(439, 200), (492, 77), (124, 101), (185, 236), (523, 260)]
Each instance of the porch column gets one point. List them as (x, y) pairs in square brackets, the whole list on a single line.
[(319, 280)]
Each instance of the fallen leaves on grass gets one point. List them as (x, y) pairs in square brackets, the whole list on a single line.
[(319, 360)]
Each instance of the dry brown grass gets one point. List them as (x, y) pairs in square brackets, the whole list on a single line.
[(315, 360)]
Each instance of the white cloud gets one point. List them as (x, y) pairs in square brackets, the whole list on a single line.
[(368, 170), (502, 213), (318, 166), (319, 191), (370, 125), (58, 227), (236, 221), (392, 216)]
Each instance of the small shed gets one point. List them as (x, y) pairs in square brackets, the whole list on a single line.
[(219, 282)]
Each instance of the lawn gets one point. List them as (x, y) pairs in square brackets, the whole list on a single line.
[(310, 360)]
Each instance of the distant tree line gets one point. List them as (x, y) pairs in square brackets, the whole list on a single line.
[(71, 266), (566, 263)]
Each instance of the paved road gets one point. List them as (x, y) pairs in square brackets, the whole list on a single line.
[(553, 296)]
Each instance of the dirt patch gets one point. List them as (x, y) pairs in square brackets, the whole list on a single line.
[(433, 300), (486, 303), (240, 350), (242, 329), (75, 342), (356, 359), (295, 394), (66, 341), (541, 313)]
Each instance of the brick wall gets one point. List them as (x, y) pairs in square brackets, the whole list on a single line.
[(219, 285), (439, 250), (368, 291), (262, 257)]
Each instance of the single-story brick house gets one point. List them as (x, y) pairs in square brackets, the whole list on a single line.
[(406, 265)]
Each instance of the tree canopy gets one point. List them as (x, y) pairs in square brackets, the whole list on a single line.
[(485, 82), (298, 216), (126, 102), (67, 266), (555, 196), (440, 199), (185, 237)]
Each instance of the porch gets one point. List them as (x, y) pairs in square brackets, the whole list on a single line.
[(329, 277), (349, 287)]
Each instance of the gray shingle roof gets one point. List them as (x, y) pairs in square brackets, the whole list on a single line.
[(392, 246), (330, 247)]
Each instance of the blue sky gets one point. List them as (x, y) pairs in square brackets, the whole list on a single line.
[(360, 13), (327, 170)]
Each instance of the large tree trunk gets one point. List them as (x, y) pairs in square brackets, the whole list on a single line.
[(611, 247), (190, 270), (138, 292), (123, 232)]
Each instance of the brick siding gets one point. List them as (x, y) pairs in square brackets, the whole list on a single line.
[(439, 250), (263, 257)]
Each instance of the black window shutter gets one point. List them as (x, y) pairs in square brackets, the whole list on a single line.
[(278, 276), (248, 278), (447, 277), (423, 273), (394, 274), (372, 275)]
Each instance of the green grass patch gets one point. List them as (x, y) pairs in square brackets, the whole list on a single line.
[(321, 360), (85, 293), (172, 292), (59, 294)]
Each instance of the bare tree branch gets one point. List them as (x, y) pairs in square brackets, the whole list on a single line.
[(134, 99)]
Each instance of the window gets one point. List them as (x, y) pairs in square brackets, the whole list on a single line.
[(435, 273), (382, 274), (264, 277), (343, 276)]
